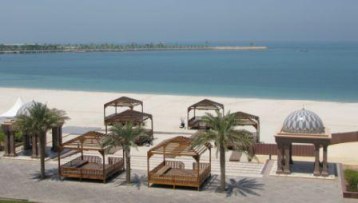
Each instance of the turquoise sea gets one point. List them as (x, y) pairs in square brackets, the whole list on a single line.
[(317, 71)]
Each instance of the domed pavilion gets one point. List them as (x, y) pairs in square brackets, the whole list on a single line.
[(302, 126)]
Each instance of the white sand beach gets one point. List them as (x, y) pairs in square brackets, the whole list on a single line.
[(86, 110)]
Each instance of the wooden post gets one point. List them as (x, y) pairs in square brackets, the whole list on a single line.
[(81, 140), (164, 155), (59, 161), (104, 166), (258, 130), (198, 171), (187, 119), (148, 168)]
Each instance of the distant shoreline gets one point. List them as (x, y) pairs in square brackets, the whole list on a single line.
[(78, 50)]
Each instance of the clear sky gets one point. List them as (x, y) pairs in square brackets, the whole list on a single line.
[(124, 21)]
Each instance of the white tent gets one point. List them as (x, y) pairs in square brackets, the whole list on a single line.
[(11, 113)]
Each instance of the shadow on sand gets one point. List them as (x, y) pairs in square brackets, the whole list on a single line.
[(242, 186)]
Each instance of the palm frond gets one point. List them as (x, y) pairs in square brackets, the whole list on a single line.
[(123, 135)]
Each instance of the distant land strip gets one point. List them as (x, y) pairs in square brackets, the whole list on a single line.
[(55, 48)]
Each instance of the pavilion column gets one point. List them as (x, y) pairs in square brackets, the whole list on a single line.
[(325, 164), (286, 169), (26, 140), (316, 171), (279, 158), (12, 143), (60, 135), (6, 140), (56, 138), (291, 161)]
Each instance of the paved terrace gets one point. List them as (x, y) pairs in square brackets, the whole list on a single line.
[(18, 179)]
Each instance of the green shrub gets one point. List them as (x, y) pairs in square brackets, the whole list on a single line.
[(18, 136), (351, 177), (2, 135)]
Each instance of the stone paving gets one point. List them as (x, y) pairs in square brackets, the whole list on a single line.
[(18, 179)]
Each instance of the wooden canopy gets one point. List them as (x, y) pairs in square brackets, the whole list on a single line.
[(124, 102), (206, 104), (121, 102), (88, 141), (196, 122), (135, 117), (245, 119), (178, 146)]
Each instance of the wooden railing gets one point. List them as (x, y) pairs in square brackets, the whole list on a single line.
[(71, 170), (190, 180)]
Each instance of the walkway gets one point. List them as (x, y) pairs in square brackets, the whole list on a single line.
[(18, 180)]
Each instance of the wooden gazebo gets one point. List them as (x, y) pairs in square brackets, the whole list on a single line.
[(121, 102), (245, 119), (131, 116), (174, 172), (196, 122), (89, 166)]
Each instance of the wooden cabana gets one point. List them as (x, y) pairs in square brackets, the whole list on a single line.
[(89, 166), (121, 102), (245, 119), (196, 122), (174, 172), (131, 116)]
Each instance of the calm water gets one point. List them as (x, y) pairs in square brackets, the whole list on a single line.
[(316, 71)]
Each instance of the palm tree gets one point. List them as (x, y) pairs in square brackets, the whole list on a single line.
[(222, 132), (37, 120), (125, 137)]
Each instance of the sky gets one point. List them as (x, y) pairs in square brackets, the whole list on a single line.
[(126, 21)]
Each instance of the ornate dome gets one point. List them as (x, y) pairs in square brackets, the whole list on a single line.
[(303, 121)]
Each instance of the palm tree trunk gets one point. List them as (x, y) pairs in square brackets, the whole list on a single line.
[(222, 168), (128, 165), (42, 154)]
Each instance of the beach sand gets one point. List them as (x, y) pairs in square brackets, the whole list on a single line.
[(86, 110)]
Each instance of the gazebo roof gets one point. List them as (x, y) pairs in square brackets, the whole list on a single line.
[(206, 104), (128, 116), (91, 141), (178, 146), (124, 102), (243, 118)]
